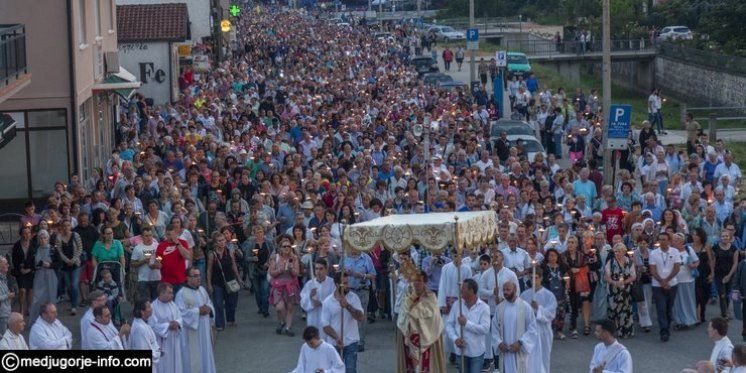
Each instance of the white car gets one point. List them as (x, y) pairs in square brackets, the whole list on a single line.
[(676, 33), (530, 145), (446, 33)]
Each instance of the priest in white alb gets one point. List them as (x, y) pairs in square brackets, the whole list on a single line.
[(196, 316), (544, 304), (102, 335), (48, 333), (96, 298), (142, 336), (514, 331), (317, 355), (491, 290), (13, 337), (167, 325), (609, 356), (448, 289), (315, 291)]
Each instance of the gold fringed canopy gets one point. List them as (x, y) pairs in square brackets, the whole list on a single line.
[(433, 231)]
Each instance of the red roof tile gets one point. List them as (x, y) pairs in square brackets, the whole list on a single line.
[(152, 22)]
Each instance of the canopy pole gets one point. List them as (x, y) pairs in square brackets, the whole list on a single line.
[(457, 248), (342, 289)]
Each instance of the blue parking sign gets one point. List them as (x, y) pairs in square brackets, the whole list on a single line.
[(619, 125), (472, 34)]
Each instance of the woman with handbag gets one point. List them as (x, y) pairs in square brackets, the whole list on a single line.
[(643, 285), (580, 286), (620, 275), (223, 281), (703, 282), (685, 304)]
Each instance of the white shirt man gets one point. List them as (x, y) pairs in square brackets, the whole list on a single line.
[(48, 333), (13, 337), (474, 315), (516, 258), (97, 298), (145, 252), (717, 330), (314, 292), (544, 305), (317, 355), (330, 318), (196, 336), (142, 336), (166, 323), (609, 356), (102, 335), (514, 331)]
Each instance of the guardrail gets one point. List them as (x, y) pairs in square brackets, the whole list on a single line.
[(13, 62), (549, 47), (717, 61)]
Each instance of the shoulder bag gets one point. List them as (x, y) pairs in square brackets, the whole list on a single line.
[(231, 286)]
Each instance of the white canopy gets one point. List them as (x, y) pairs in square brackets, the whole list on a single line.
[(433, 231)]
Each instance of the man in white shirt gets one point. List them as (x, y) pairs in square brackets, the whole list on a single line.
[(102, 335), (315, 291), (721, 356), (729, 168), (609, 356), (142, 336), (13, 337), (317, 355), (96, 298), (664, 266), (516, 259), (466, 325), (340, 314), (48, 333), (148, 269), (514, 331)]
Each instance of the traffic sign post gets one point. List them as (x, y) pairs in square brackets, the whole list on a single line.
[(472, 39), (501, 57), (619, 126)]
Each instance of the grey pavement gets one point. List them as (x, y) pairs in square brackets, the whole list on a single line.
[(253, 347)]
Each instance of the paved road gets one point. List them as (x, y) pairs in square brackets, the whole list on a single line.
[(253, 347)]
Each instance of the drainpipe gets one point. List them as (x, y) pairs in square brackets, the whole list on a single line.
[(73, 89)]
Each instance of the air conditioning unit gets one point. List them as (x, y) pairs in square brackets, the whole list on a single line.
[(111, 60)]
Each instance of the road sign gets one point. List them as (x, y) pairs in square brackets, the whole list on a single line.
[(502, 58), (620, 119), (472, 45), (472, 34)]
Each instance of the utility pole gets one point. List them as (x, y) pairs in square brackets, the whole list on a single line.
[(472, 53), (419, 8), (606, 91)]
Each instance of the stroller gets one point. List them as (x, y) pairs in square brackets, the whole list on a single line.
[(116, 292)]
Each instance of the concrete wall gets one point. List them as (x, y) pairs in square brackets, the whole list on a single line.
[(694, 84), (149, 62), (199, 14)]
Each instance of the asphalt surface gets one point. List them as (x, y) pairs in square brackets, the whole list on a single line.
[(253, 347)]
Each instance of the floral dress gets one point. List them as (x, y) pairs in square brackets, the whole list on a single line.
[(620, 299)]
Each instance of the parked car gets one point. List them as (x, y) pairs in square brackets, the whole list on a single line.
[(435, 79), (518, 64), (531, 145), (675, 33), (384, 36), (424, 64), (453, 84), (447, 33), (510, 127)]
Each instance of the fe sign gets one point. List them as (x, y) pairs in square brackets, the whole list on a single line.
[(502, 58), (472, 39), (620, 118)]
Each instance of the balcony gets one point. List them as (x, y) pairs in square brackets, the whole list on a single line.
[(14, 71)]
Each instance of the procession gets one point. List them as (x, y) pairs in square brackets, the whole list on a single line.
[(311, 182)]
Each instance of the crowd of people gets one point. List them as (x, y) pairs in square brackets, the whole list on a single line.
[(246, 182)]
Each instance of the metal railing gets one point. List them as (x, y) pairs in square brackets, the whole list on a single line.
[(541, 48), (13, 62), (9, 224)]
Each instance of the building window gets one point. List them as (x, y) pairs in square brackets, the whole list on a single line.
[(81, 22), (112, 15), (97, 18)]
